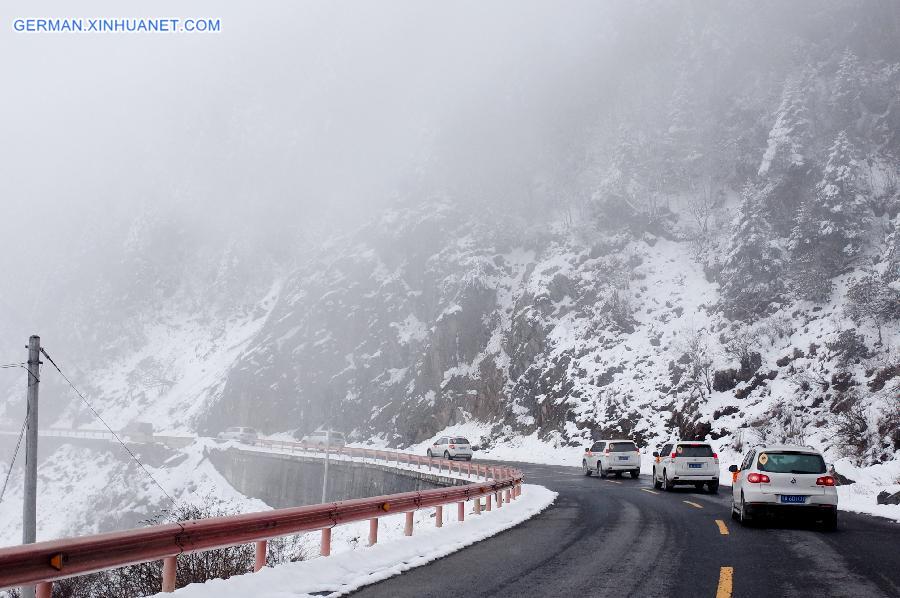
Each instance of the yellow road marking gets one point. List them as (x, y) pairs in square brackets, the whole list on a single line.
[(725, 577), (649, 490), (723, 529), (693, 504)]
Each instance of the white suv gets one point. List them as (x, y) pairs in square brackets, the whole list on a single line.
[(612, 456), (451, 447), (240, 434), (787, 479), (323, 438), (686, 463)]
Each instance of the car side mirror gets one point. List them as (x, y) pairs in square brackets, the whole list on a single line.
[(655, 453), (732, 468)]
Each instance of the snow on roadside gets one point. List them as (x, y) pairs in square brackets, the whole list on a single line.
[(352, 566)]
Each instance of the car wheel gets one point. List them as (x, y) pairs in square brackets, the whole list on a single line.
[(713, 487), (829, 523), (744, 515), (666, 484), (585, 468), (469, 458), (656, 483), (447, 455), (429, 453), (635, 473), (600, 471)]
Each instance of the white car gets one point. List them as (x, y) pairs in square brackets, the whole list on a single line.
[(784, 479), (239, 433), (612, 456), (686, 462), (451, 447), (323, 438)]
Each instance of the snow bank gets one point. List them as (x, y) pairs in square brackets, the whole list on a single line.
[(356, 566)]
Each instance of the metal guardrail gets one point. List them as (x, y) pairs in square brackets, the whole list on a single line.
[(44, 562)]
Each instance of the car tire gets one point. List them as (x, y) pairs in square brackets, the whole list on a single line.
[(829, 523), (428, 452), (745, 518), (618, 474), (600, 471), (447, 455), (586, 469), (469, 458), (666, 484), (635, 473), (713, 487), (656, 483)]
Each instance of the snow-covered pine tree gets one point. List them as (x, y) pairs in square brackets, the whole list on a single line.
[(830, 226), (785, 163), (753, 263), (849, 81)]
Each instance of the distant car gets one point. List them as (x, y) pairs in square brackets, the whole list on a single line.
[(323, 438), (239, 433), (683, 463), (612, 456), (784, 479), (451, 447)]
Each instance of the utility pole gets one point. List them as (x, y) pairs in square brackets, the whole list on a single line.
[(327, 452), (29, 506)]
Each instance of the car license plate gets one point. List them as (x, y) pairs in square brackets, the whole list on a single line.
[(793, 499), (623, 458), (695, 465)]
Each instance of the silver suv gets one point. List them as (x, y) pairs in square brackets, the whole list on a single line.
[(681, 463), (612, 456), (239, 433), (785, 479)]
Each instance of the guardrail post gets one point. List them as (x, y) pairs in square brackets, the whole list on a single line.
[(408, 528), (439, 516), (261, 547), (461, 511), (43, 590), (478, 506), (373, 531), (487, 506), (325, 550), (499, 499), (170, 567)]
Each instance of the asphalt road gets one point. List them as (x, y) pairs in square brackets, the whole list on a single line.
[(620, 537)]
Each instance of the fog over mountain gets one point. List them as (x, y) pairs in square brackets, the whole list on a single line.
[(542, 219)]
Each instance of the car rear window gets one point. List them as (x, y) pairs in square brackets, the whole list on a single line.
[(622, 447), (460, 441), (694, 450), (790, 462)]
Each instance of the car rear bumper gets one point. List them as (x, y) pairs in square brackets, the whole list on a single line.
[(807, 511), (764, 499), (623, 466), (690, 479)]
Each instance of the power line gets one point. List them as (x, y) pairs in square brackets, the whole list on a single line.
[(15, 454), (111, 431)]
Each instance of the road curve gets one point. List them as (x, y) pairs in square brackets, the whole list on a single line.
[(620, 537)]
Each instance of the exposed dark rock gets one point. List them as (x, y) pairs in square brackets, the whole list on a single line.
[(886, 498)]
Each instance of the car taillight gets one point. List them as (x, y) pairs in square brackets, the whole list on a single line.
[(825, 480), (606, 452), (758, 478), (453, 446), (716, 456), (674, 455)]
